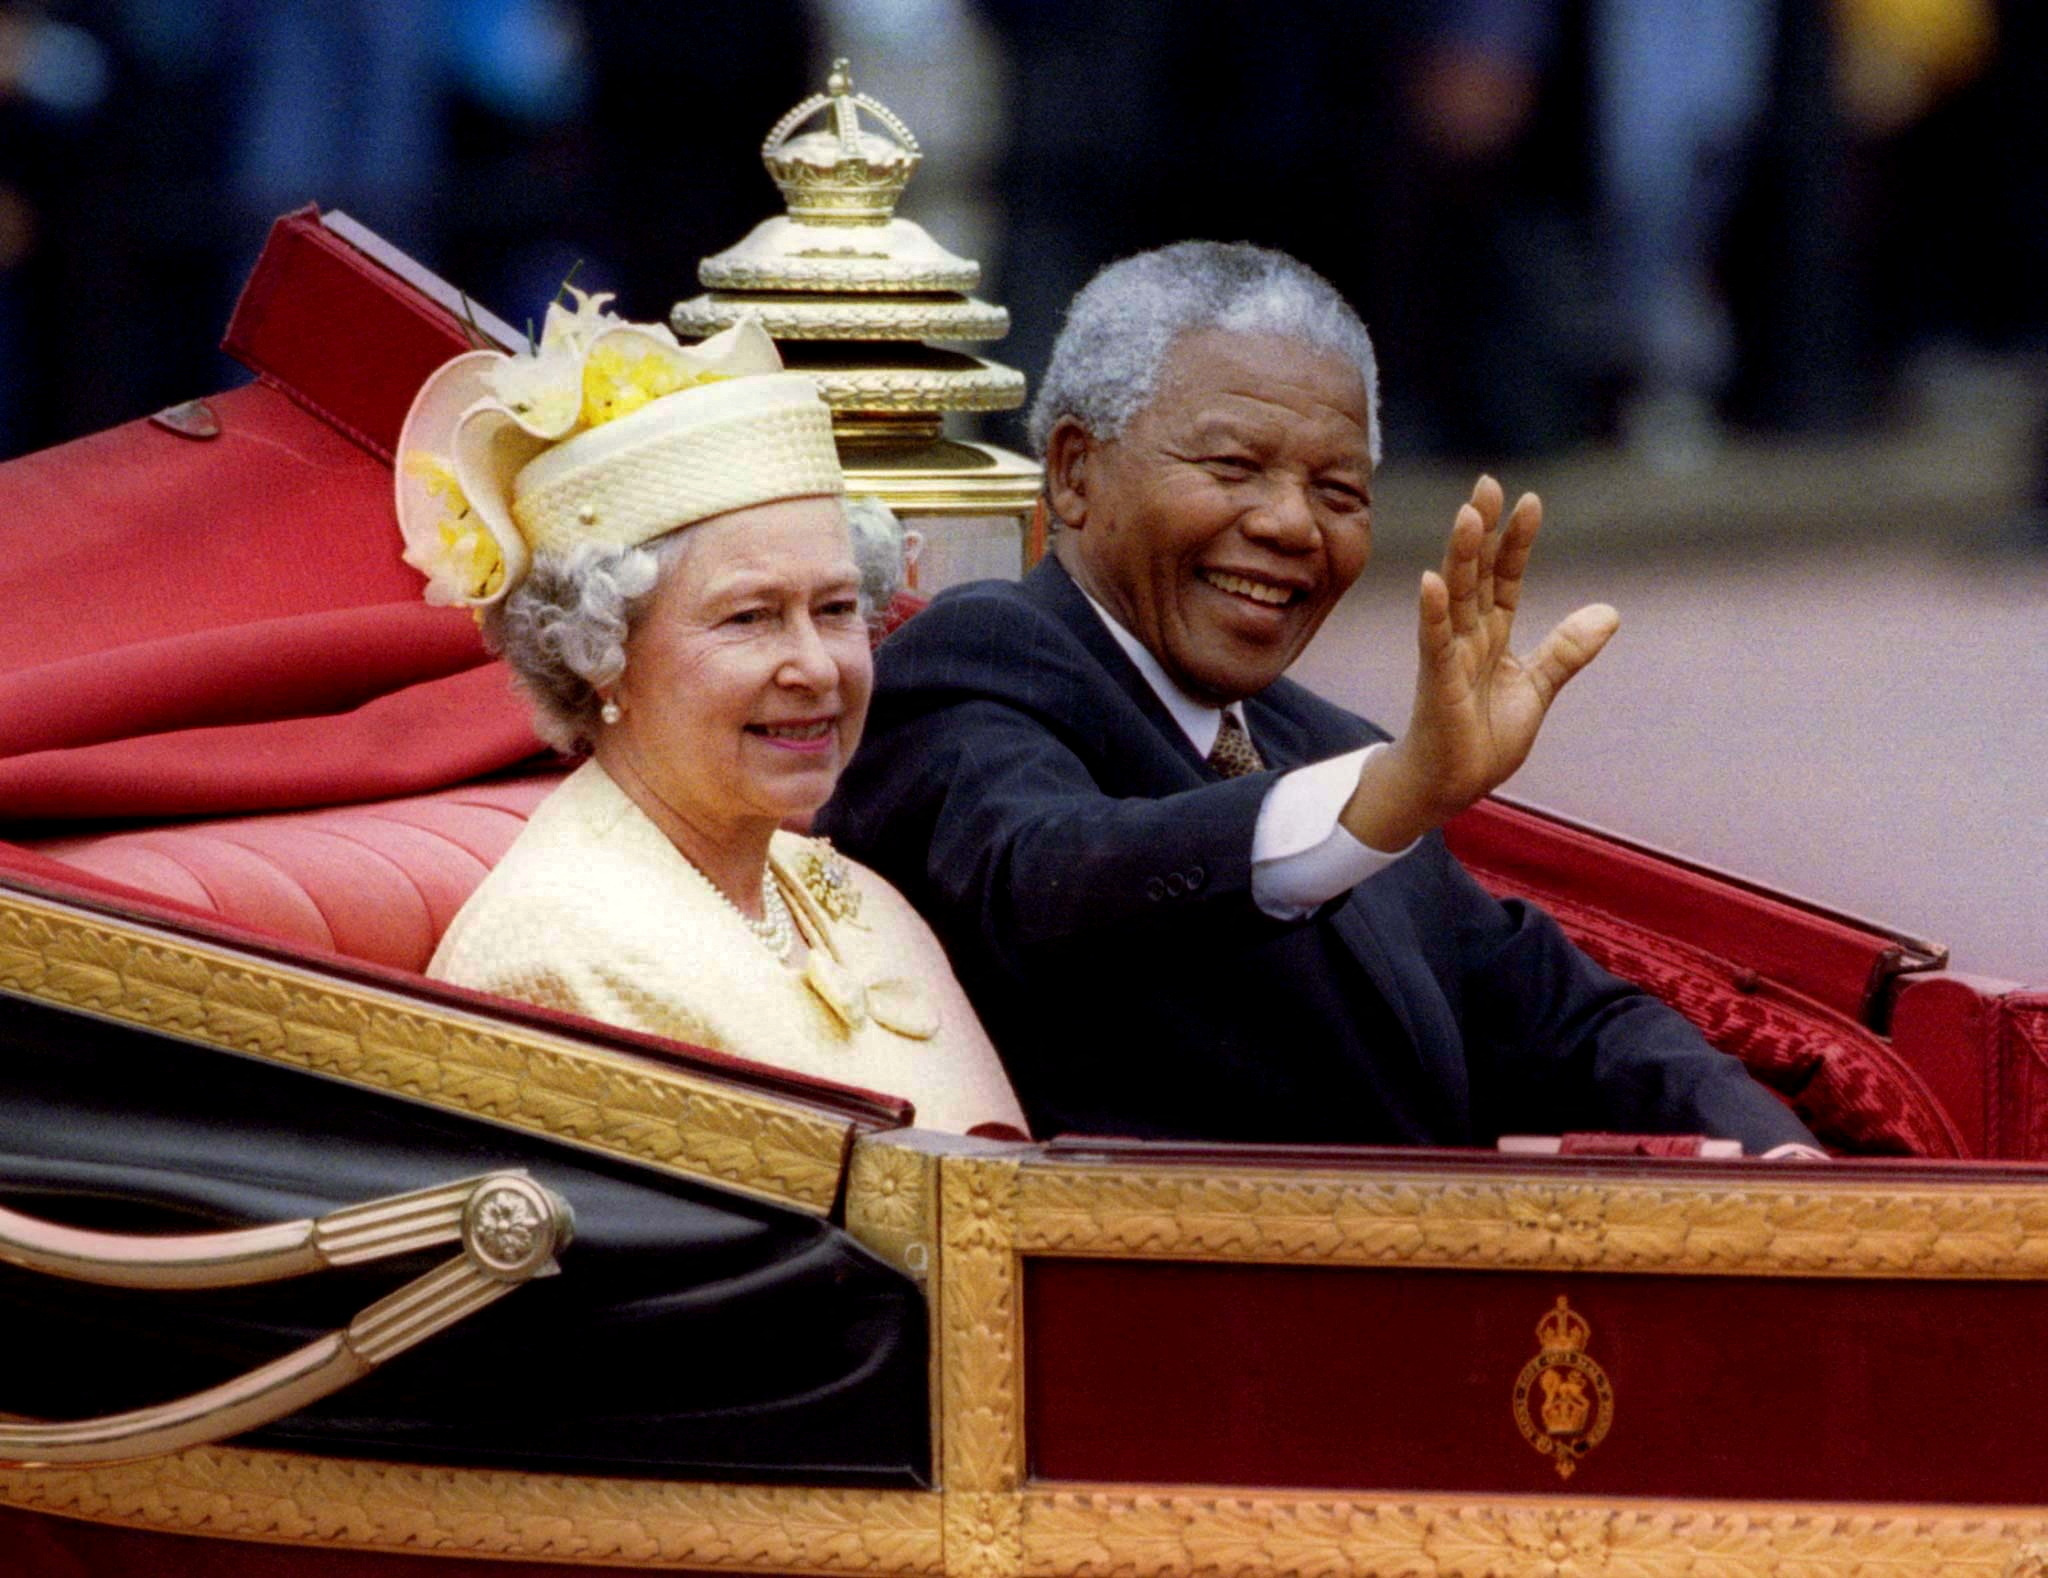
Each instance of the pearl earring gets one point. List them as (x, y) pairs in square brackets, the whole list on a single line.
[(610, 712)]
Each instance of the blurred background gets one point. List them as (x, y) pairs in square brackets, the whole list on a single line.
[(1754, 292)]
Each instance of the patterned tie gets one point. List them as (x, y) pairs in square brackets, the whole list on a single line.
[(1233, 755)]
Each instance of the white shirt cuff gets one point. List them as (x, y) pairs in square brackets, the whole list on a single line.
[(1301, 857)]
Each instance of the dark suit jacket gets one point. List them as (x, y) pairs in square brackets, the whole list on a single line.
[(1090, 877)]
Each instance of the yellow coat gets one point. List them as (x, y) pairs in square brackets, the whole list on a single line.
[(594, 911)]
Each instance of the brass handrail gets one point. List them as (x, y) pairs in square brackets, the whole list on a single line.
[(510, 1229)]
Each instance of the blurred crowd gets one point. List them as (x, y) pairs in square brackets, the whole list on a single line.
[(1638, 221)]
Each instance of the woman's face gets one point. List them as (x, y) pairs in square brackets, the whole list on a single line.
[(747, 675)]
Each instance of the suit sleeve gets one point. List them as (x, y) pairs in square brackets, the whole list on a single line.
[(976, 792), (1574, 1047)]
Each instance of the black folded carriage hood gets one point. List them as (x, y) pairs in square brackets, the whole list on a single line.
[(693, 1334)]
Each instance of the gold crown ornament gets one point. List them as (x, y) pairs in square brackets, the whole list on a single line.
[(839, 277), (608, 432), (880, 314), (844, 175), (1563, 1400)]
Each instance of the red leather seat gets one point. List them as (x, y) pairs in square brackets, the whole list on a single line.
[(1784, 988), (378, 882)]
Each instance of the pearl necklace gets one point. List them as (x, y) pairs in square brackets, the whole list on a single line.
[(777, 927)]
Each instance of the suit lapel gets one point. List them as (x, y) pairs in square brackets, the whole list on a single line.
[(1054, 590)]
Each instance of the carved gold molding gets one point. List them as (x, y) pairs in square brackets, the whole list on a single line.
[(313, 1501), (2029, 1561), (892, 1207), (845, 318), (852, 268), (981, 1367), (892, 1204), (1116, 1534), (1040, 1532), (986, 387), (1779, 1224), (640, 1110)]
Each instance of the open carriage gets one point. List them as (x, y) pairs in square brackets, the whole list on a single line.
[(284, 1218)]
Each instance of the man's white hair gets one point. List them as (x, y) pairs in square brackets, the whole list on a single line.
[(1105, 364)]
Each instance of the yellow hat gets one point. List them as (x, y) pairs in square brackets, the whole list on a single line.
[(609, 433)]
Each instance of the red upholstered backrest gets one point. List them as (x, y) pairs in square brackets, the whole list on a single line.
[(1785, 988), (378, 882), (381, 881)]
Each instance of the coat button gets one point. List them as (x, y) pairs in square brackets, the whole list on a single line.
[(1155, 889), (1196, 877), (1176, 884)]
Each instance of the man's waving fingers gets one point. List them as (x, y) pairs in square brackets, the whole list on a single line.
[(1516, 539)]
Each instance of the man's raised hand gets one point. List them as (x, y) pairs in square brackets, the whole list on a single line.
[(1478, 707)]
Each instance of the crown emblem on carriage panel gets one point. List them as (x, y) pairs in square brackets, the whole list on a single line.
[(1563, 1401), (1563, 1330)]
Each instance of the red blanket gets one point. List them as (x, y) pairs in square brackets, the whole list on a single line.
[(207, 625)]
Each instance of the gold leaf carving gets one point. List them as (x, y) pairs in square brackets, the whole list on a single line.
[(2029, 1561), (727, 271), (986, 387), (246, 1013), (892, 1205), (984, 1535), (847, 319), (291, 1015), (1081, 1534), (980, 1354), (887, 1189), (1769, 1227), (226, 1492)]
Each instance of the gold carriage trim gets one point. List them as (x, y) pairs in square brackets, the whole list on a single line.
[(663, 1117), (285, 1498), (994, 1211), (1221, 1535), (1773, 1225), (1042, 1532)]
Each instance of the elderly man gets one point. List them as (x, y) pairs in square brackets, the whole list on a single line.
[(1188, 897)]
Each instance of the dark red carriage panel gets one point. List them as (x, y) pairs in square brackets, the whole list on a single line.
[(1982, 1047), (1363, 1379)]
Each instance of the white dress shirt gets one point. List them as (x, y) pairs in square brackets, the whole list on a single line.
[(1301, 855)]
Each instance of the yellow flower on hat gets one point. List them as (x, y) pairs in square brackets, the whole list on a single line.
[(462, 562), (619, 380), (506, 455), (543, 390)]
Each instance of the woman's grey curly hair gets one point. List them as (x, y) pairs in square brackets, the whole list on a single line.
[(1105, 364), (564, 630)]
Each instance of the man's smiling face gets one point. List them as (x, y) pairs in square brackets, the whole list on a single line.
[(1234, 510)]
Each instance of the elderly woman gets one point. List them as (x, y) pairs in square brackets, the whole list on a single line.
[(654, 537)]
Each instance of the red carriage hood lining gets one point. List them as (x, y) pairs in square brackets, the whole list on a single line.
[(209, 626)]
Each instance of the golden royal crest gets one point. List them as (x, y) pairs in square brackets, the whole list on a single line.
[(1563, 1402)]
